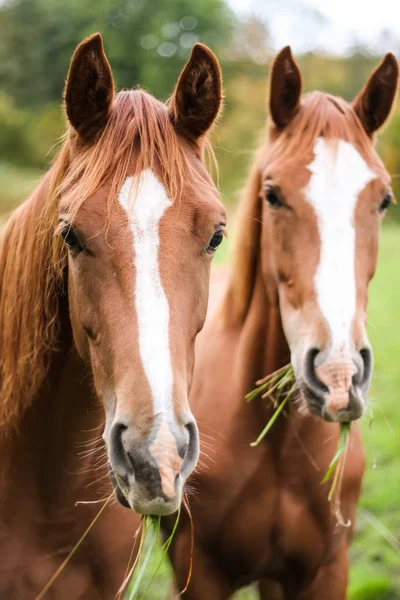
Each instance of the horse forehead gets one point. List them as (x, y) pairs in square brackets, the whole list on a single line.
[(144, 199), (338, 174)]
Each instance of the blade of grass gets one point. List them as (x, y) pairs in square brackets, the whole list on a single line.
[(274, 417), (142, 568), (275, 380), (74, 549), (257, 391), (344, 432), (287, 378), (335, 480), (277, 373), (164, 550), (186, 504), (128, 567), (138, 555), (270, 391), (381, 529)]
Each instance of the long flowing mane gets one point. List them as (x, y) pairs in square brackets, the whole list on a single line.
[(320, 115), (138, 135)]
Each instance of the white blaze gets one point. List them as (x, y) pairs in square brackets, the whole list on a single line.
[(338, 175), (145, 202)]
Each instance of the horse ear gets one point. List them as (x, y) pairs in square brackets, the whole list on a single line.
[(89, 90), (284, 88), (197, 98), (374, 102)]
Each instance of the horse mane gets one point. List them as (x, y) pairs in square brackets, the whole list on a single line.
[(138, 135), (320, 114)]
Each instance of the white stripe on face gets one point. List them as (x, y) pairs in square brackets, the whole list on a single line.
[(338, 175), (145, 202)]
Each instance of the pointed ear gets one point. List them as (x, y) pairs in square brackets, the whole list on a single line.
[(197, 98), (284, 88), (374, 102), (89, 90)]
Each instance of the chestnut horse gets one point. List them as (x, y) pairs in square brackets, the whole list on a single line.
[(104, 276), (306, 250)]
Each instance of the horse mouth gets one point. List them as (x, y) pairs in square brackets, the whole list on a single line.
[(316, 404), (119, 494), (160, 506)]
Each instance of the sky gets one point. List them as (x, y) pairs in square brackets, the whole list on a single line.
[(333, 26)]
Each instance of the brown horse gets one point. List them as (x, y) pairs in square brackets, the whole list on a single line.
[(306, 250), (104, 276)]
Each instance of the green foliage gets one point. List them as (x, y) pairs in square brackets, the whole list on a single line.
[(15, 185), (146, 41), (28, 138), (39, 37), (13, 125), (389, 145), (143, 574)]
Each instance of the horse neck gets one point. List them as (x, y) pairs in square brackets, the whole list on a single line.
[(45, 458), (42, 453), (263, 348)]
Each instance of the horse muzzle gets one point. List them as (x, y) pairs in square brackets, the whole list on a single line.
[(335, 385), (149, 473)]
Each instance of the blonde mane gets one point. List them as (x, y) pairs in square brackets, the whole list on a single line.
[(138, 135), (320, 114)]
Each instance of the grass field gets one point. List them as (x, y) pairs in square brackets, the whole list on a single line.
[(375, 564)]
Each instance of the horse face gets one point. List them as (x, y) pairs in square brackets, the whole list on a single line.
[(322, 208), (138, 289)]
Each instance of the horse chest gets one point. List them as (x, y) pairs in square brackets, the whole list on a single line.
[(24, 583), (269, 529)]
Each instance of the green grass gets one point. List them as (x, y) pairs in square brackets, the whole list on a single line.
[(375, 565)]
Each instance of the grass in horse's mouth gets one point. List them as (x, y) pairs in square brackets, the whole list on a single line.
[(276, 383), (283, 383), (148, 535), (337, 464), (149, 540)]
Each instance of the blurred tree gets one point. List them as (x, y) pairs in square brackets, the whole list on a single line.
[(146, 41), (251, 41)]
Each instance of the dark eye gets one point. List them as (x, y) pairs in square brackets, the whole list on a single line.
[(215, 241), (385, 203), (71, 240), (272, 198)]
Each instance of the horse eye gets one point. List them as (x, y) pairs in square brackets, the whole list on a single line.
[(272, 198), (215, 241), (71, 240), (385, 203)]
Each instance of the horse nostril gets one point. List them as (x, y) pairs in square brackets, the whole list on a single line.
[(310, 371), (366, 357), (191, 450), (116, 444)]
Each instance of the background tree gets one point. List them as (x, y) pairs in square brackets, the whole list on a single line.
[(146, 41)]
